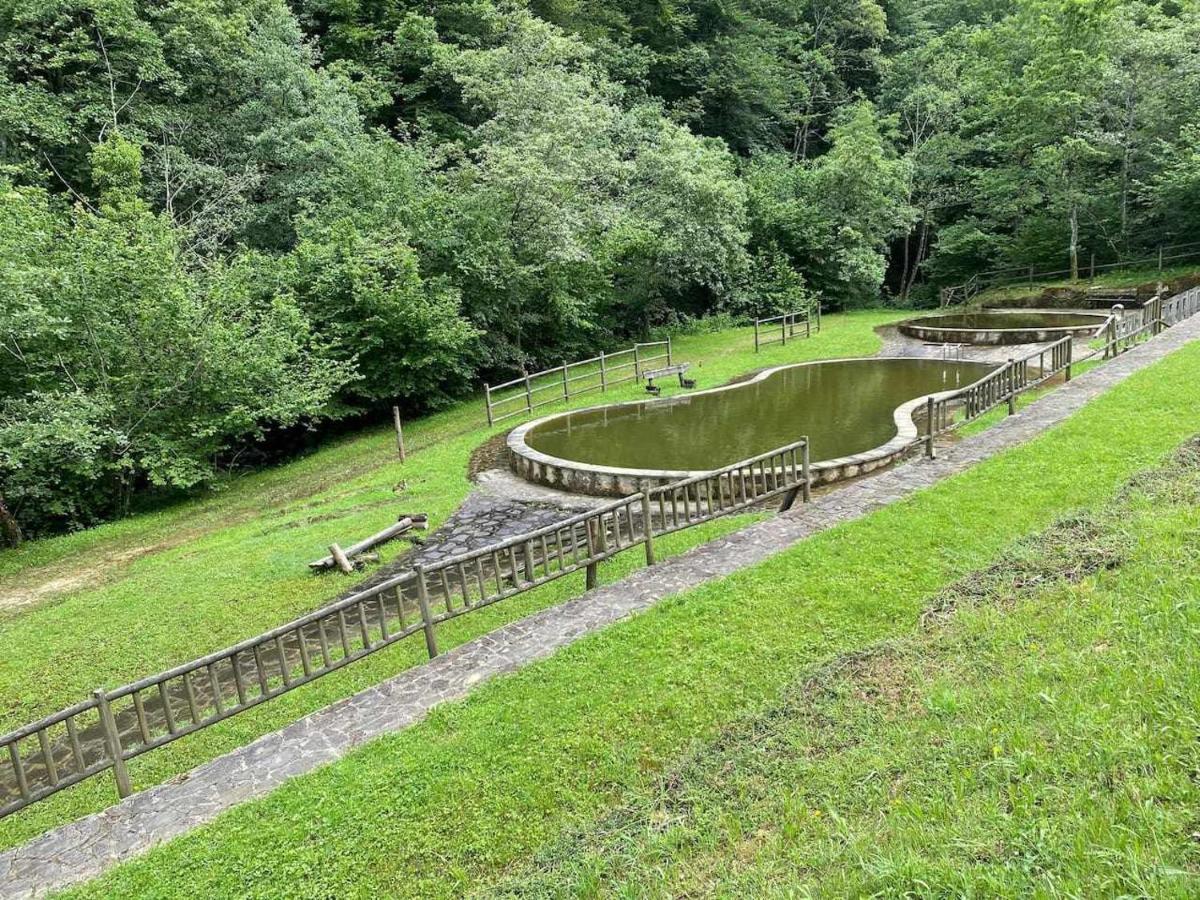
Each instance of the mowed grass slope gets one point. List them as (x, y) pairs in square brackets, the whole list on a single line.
[(474, 791), (1037, 736), (138, 596)]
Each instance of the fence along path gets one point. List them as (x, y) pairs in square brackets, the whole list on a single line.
[(523, 395), (111, 728), (1120, 331)]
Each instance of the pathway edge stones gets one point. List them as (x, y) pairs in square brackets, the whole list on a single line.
[(84, 849)]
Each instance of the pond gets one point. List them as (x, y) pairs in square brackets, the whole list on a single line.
[(845, 407), (1002, 326)]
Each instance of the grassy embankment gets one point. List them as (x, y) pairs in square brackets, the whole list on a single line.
[(1048, 738), (106, 606), (1126, 279)]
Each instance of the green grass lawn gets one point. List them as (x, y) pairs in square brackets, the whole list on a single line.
[(473, 793), (1039, 737), (138, 596), (1122, 279)]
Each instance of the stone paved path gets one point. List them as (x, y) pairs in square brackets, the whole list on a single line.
[(84, 849)]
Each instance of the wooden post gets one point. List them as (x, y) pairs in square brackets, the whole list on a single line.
[(426, 618), (603, 376), (818, 305), (756, 335), (527, 553), (783, 329), (566, 382), (647, 530), (528, 395), (1070, 356), (112, 741), (400, 430), (804, 470), (1160, 258), (340, 558), (1012, 387), (637, 367), (589, 577), (669, 350), (487, 391), (929, 448)]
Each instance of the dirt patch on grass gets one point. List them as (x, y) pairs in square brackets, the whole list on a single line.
[(491, 454), (58, 580)]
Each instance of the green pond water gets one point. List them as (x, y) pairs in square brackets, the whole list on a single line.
[(844, 407), (992, 320)]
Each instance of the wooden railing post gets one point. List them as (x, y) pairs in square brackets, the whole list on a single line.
[(603, 376), (487, 391), (1012, 387), (426, 618), (756, 335), (669, 350), (637, 367), (805, 472), (112, 741), (648, 529), (528, 394), (930, 451), (1070, 356), (566, 382)]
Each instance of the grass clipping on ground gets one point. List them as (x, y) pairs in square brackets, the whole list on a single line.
[(1015, 744)]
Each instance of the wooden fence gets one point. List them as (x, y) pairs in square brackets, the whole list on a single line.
[(782, 328), (109, 729), (1120, 331), (959, 294), (523, 395)]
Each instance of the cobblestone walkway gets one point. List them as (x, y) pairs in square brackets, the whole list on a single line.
[(84, 849)]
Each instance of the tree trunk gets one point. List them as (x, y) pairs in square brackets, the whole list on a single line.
[(10, 530), (922, 247), (1074, 241)]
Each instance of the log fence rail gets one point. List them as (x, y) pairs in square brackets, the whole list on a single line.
[(113, 727), (527, 393), (782, 328)]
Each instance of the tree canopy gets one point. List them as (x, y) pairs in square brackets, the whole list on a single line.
[(222, 221)]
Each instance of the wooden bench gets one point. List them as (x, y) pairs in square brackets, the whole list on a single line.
[(679, 369)]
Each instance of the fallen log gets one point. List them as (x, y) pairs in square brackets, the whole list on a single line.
[(342, 562), (389, 533)]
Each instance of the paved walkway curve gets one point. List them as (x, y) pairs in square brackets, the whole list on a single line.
[(87, 847)]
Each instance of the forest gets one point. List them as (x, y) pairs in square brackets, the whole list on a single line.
[(226, 226)]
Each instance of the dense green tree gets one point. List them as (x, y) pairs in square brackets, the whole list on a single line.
[(222, 220), (121, 366)]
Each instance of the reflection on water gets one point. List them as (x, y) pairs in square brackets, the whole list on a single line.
[(844, 407), (988, 321)]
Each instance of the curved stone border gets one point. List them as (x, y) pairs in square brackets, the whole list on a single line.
[(614, 481), (924, 329)]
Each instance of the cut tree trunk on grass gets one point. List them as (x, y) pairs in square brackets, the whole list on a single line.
[(407, 523), (340, 558)]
